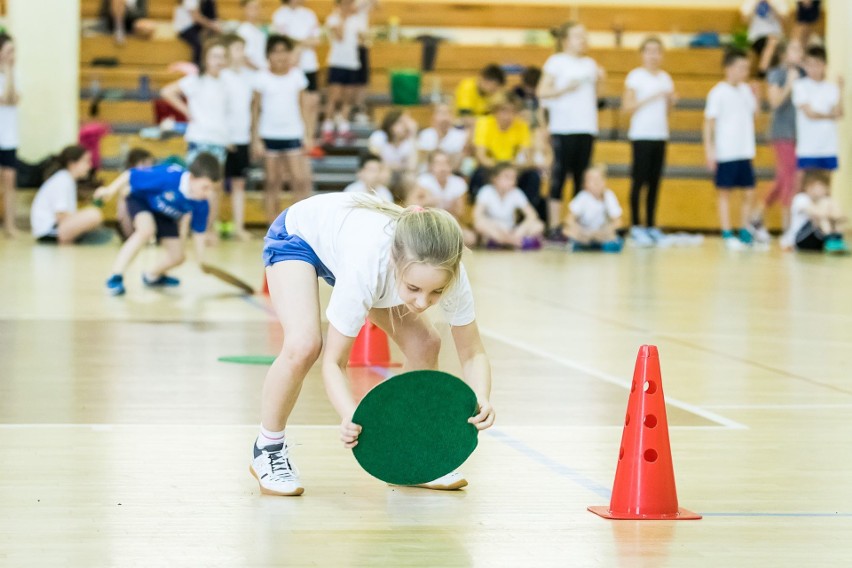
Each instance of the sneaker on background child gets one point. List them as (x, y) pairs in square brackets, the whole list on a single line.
[(594, 215), (370, 174), (729, 144), (503, 216)]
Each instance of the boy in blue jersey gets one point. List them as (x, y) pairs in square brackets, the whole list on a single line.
[(157, 199)]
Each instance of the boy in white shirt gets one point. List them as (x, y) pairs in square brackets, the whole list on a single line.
[(345, 28), (253, 34), (278, 125), (594, 215), (498, 208), (239, 80), (816, 220), (729, 143), (819, 106), (370, 174)]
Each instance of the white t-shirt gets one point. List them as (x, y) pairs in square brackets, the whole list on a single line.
[(183, 15), (255, 39), (501, 208), (798, 218), (651, 120), (344, 53), (300, 24), (240, 92), (448, 194), (280, 109), (207, 97), (359, 186), (452, 143), (56, 195), (354, 244), (575, 112), (593, 213), (8, 121), (815, 138), (394, 157), (733, 109)]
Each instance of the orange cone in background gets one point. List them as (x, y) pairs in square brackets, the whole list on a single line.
[(264, 289), (644, 485), (371, 348)]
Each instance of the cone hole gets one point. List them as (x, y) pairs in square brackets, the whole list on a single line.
[(627, 419), (621, 453), (650, 456), (650, 421), (650, 387)]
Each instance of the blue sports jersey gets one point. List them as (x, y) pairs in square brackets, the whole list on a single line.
[(161, 187)]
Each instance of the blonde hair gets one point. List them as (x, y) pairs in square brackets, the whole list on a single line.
[(421, 236), (560, 34)]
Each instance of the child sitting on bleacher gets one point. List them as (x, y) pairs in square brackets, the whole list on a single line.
[(395, 144), (594, 215), (474, 94), (443, 136), (194, 22), (278, 131), (503, 216), (253, 34), (448, 190), (345, 28), (54, 216), (816, 219), (370, 174)]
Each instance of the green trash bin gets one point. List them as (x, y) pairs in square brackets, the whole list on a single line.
[(405, 86)]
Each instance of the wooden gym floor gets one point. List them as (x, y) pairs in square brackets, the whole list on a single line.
[(123, 442)]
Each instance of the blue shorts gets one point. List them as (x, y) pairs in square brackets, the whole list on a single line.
[(829, 163), (805, 15), (282, 145), (278, 246), (8, 158), (736, 174), (345, 77)]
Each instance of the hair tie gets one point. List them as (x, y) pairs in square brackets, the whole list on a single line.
[(417, 209)]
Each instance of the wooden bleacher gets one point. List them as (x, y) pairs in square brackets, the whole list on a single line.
[(686, 202)]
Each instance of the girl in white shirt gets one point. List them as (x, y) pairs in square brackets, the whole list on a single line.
[(294, 20), (252, 32), (54, 216), (569, 91), (8, 132), (495, 215), (386, 263), (345, 28), (448, 190), (648, 97), (278, 123), (442, 135), (395, 144)]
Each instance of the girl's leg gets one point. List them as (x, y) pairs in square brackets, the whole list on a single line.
[(272, 187), (215, 202), (311, 111), (238, 205), (174, 257), (334, 96), (582, 147), (347, 100), (492, 231), (557, 179), (657, 162), (7, 187), (414, 334), (638, 179), (145, 229), (118, 9), (78, 224), (532, 227), (299, 168), (295, 298), (747, 206), (722, 196)]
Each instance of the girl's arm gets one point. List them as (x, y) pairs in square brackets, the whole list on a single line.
[(122, 182), (173, 95), (256, 143), (336, 29), (709, 144), (335, 358), (547, 87), (630, 103), (476, 371), (778, 95), (204, 22)]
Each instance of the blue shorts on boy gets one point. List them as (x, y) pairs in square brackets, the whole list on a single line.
[(161, 190), (735, 174), (826, 163)]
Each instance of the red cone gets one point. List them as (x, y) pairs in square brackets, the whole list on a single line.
[(371, 348), (644, 485)]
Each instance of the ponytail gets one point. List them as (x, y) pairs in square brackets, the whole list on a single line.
[(68, 155)]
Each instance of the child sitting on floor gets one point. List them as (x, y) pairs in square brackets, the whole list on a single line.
[(816, 219), (498, 208), (595, 215)]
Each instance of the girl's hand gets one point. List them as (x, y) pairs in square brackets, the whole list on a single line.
[(349, 433), (485, 418), (258, 149)]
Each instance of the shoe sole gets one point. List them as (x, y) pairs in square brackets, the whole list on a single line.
[(452, 487), (266, 491)]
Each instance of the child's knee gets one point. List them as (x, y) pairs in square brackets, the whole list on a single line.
[(302, 350)]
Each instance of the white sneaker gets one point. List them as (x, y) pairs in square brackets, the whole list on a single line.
[(449, 482), (733, 243), (640, 237), (274, 472), (760, 234)]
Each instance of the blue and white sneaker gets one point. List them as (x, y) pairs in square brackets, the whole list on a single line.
[(656, 234), (161, 282), (613, 246), (746, 237), (115, 285), (641, 237), (274, 471)]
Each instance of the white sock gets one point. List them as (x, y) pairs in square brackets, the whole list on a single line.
[(269, 438), (328, 126)]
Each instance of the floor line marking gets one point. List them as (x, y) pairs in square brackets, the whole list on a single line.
[(612, 379), (778, 406), (780, 515)]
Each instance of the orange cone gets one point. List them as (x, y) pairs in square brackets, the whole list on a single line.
[(264, 289), (371, 348), (644, 485)]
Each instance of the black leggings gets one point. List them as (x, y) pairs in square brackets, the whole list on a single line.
[(571, 153), (649, 158)]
